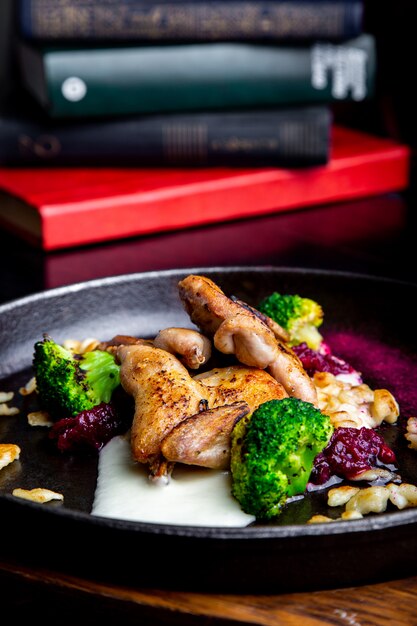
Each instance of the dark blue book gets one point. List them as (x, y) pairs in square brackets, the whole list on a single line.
[(292, 137), (204, 20)]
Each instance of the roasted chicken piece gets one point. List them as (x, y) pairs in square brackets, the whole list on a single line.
[(235, 383), (190, 346), (204, 439), (208, 306), (239, 329), (166, 394)]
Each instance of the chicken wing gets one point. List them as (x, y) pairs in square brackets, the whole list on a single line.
[(241, 330)]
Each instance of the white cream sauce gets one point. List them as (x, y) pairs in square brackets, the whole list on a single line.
[(193, 497)]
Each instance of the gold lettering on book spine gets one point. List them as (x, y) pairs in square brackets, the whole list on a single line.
[(289, 138), (185, 143), (247, 145), (213, 19)]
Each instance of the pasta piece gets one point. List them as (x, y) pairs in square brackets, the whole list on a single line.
[(38, 494)]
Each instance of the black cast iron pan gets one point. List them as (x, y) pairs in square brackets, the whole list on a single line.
[(368, 320)]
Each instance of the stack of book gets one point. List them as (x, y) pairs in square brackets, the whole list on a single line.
[(191, 84)]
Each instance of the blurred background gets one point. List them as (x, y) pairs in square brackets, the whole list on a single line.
[(391, 112), (354, 235)]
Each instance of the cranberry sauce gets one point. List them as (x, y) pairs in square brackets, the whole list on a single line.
[(314, 361), (89, 430), (349, 452)]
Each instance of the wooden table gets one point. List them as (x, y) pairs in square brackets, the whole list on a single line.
[(374, 236), (70, 599)]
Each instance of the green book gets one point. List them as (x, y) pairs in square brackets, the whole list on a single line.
[(72, 82)]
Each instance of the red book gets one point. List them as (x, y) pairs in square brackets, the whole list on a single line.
[(61, 208)]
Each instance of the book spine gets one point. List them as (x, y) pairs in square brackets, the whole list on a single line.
[(195, 77), (290, 138), (203, 20)]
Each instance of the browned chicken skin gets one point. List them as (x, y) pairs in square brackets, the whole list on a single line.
[(204, 439), (191, 347), (165, 395), (239, 329), (224, 385)]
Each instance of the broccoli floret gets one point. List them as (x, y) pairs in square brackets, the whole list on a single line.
[(273, 452), (68, 384), (299, 316)]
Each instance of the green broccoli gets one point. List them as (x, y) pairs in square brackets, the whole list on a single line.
[(273, 452), (297, 315), (67, 383)]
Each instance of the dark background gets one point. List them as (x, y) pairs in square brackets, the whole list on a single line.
[(6, 38), (391, 112), (375, 236)]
